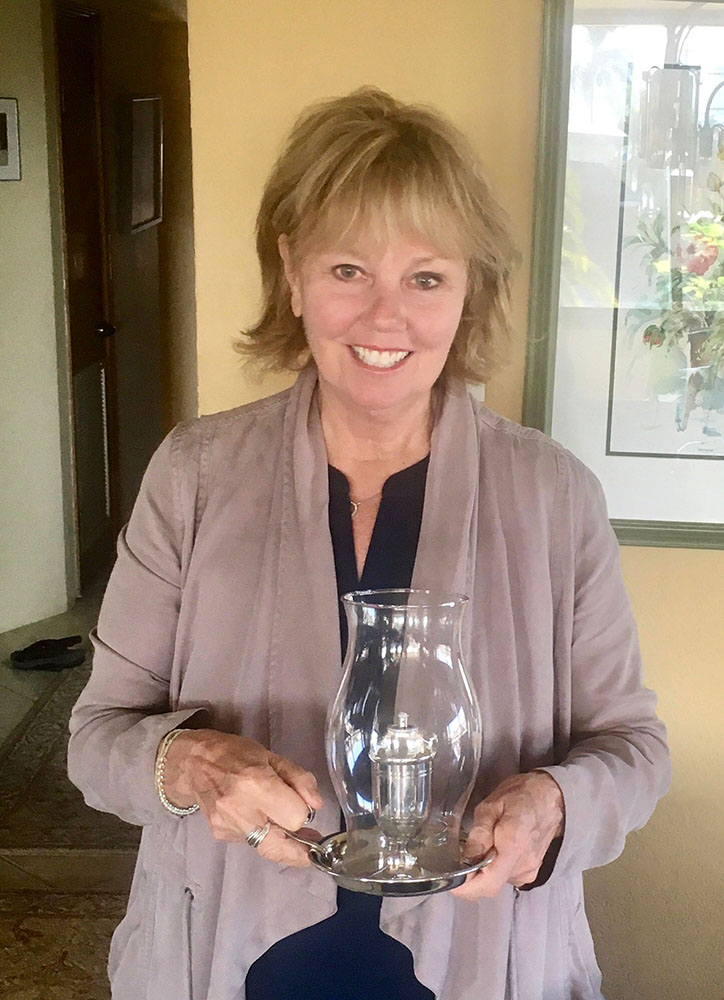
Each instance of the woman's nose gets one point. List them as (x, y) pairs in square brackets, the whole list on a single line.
[(387, 311)]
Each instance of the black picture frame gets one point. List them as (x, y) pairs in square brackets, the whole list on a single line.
[(9, 140), (140, 187)]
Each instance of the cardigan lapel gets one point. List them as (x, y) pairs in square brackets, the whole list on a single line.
[(446, 550), (305, 669), (445, 554)]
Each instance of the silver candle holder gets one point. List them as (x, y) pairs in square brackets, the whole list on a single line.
[(401, 788)]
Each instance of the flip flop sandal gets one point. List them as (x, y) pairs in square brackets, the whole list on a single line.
[(43, 646), (53, 661), (49, 654)]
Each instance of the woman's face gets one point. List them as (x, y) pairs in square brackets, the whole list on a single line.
[(379, 320)]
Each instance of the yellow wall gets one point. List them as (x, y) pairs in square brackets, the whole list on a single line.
[(658, 911), (253, 67)]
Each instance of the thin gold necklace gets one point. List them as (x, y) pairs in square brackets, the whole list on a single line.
[(355, 504)]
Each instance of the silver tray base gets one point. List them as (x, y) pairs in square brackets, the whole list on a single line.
[(330, 856)]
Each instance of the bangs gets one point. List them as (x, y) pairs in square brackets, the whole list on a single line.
[(382, 201)]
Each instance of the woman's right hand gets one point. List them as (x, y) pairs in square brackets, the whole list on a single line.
[(239, 784)]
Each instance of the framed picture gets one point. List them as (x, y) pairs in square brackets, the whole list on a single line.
[(625, 359), (9, 140), (141, 163)]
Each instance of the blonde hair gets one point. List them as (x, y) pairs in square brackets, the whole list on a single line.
[(367, 161)]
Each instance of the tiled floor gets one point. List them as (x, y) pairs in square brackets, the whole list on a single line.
[(64, 868), (23, 692)]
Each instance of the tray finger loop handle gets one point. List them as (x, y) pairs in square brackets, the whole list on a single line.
[(487, 859)]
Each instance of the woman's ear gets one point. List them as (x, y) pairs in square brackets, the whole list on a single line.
[(290, 274)]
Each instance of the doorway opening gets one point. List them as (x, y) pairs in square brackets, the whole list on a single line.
[(92, 357)]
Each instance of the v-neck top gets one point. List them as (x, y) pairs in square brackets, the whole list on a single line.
[(393, 546), (347, 956)]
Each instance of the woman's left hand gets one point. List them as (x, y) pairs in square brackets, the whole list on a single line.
[(520, 819)]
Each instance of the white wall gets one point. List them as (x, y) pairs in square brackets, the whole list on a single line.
[(32, 548)]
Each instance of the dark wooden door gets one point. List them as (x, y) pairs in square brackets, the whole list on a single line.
[(91, 331)]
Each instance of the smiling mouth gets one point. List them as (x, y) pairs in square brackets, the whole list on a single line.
[(379, 359)]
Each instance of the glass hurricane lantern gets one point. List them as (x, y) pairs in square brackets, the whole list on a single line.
[(403, 741)]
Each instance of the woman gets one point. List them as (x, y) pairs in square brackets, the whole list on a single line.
[(385, 264)]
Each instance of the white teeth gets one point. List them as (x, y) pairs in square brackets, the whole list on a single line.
[(379, 359)]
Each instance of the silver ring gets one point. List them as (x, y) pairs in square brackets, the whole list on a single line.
[(311, 813), (254, 837)]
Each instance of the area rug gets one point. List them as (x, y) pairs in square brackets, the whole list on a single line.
[(65, 869), (53, 946), (39, 808)]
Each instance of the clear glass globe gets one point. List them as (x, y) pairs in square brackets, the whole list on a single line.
[(403, 734)]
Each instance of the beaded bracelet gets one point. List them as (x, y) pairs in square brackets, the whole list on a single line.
[(160, 765)]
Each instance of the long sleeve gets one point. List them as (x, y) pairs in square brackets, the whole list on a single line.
[(125, 708), (618, 764)]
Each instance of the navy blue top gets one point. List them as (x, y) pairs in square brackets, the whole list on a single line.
[(347, 956)]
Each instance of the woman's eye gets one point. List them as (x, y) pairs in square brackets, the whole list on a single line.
[(346, 271), (427, 280)]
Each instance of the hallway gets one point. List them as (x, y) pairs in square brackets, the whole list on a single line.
[(98, 300)]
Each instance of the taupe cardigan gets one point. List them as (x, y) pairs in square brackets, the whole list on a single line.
[(223, 599)]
